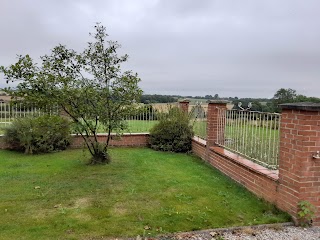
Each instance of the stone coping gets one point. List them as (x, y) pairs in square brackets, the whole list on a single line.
[(200, 140), (305, 106), (273, 174)]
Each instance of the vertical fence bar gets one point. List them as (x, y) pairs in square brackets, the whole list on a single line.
[(252, 134)]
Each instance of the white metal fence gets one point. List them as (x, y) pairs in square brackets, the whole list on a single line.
[(140, 120), (198, 117), (9, 112), (254, 135)]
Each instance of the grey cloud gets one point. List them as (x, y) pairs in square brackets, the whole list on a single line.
[(233, 48)]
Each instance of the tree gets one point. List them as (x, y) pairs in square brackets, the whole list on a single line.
[(283, 96), (289, 96), (156, 98), (88, 86)]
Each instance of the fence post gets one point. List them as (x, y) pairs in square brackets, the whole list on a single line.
[(213, 116), (184, 105), (299, 162)]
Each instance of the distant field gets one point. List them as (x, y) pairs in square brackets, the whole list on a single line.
[(134, 126), (200, 129)]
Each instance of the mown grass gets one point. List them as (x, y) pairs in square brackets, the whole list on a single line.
[(142, 192)]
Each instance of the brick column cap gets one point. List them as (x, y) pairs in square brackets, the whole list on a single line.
[(184, 100), (305, 106), (218, 101)]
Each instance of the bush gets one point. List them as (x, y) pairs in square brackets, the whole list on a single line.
[(39, 134), (173, 132)]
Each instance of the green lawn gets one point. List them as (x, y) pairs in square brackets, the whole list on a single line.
[(142, 192)]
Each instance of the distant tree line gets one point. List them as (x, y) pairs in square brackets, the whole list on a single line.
[(290, 96), (209, 97), (283, 95), (156, 98)]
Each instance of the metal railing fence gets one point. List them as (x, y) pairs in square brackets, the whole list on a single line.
[(198, 117), (144, 116), (255, 135), (141, 118), (9, 112)]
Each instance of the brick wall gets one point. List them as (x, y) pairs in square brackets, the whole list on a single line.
[(129, 140), (254, 177), (257, 179), (299, 171), (298, 178), (184, 105), (214, 108), (199, 147)]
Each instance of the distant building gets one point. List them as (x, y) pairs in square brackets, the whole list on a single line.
[(5, 99)]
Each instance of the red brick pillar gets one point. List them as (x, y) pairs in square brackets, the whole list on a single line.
[(184, 105), (213, 116), (299, 167)]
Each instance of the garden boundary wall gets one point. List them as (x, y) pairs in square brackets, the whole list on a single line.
[(125, 140), (298, 177)]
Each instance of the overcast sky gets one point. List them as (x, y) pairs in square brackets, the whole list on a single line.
[(187, 47)]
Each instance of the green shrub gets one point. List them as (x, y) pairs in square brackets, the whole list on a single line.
[(306, 213), (173, 132), (38, 134)]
